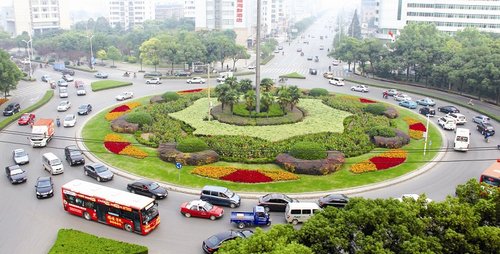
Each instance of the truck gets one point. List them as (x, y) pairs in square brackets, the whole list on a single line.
[(462, 139), (61, 67), (257, 217), (42, 132), (223, 76)]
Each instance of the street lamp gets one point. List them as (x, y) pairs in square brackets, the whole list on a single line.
[(209, 116), (91, 51), (426, 133), (29, 46)]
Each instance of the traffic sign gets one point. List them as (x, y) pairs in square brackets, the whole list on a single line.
[(178, 165)]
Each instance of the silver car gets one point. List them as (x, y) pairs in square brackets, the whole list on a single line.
[(20, 156)]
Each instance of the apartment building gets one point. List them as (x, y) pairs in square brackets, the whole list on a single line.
[(129, 13), (189, 9), (448, 16), (169, 11)]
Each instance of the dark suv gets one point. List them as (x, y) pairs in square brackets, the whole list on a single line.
[(11, 109), (73, 155), (486, 128)]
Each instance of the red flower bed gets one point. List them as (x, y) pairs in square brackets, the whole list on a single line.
[(363, 100), (247, 176), (385, 162), (418, 127), (121, 108), (191, 91), (115, 147)]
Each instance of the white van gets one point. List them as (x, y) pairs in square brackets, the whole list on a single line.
[(462, 139), (300, 212), (52, 164)]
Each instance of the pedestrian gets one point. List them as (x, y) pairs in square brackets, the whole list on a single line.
[(470, 102), (486, 136), (227, 66), (329, 68)]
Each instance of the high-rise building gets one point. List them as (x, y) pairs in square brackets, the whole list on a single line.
[(169, 11), (448, 16), (128, 13), (35, 16), (189, 9)]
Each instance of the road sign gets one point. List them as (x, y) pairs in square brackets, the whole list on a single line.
[(178, 165)]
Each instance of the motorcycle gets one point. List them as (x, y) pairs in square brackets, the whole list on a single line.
[(58, 122), (301, 53), (126, 74)]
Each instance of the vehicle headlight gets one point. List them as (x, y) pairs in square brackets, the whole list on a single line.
[(38, 193), (51, 191)]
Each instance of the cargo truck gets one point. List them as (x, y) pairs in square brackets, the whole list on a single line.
[(42, 132)]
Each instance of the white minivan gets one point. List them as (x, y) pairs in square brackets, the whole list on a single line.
[(52, 164), (462, 139), (300, 212)]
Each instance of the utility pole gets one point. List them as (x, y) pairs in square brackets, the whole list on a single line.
[(208, 87), (257, 60), (29, 46), (91, 52)]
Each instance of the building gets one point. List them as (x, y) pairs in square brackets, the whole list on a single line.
[(448, 16), (35, 16), (129, 13), (169, 11), (189, 9), (368, 15)]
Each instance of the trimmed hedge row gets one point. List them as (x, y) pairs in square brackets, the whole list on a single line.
[(317, 92), (192, 145), (308, 151)]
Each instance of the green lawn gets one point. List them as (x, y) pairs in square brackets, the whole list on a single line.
[(70, 241), (293, 75), (46, 98), (154, 168), (108, 84)]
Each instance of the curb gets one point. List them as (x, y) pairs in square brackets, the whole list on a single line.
[(256, 195)]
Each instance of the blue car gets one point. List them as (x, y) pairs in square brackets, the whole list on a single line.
[(426, 102), (408, 104)]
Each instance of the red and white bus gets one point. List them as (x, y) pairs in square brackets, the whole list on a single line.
[(491, 175), (117, 208)]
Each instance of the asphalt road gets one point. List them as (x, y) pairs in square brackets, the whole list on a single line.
[(30, 225)]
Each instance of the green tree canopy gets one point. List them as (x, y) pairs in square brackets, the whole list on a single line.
[(9, 73)]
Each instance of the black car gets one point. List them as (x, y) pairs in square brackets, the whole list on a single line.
[(147, 188), (98, 171), (448, 109), (275, 202), (486, 128), (44, 187), (427, 111), (152, 74), (313, 71), (213, 243), (84, 109), (11, 109), (335, 200), (74, 155), (68, 71), (16, 174), (182, 74)]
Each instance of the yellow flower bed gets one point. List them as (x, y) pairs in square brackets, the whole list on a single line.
[(113, 115), (133, 105), (3, 100), (362, 167), (134, 152), (396, 153), (280, 175), (213, 171), (410, 120), (114, 138), (414, 134)]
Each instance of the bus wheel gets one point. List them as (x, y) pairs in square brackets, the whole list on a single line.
[(241, 225), (86, 215), (128, 227)]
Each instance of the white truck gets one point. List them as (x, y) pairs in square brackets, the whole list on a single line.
[(223, 76), (462, 139), (42, 132)]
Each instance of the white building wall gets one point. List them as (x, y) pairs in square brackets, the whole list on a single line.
[(130, 13)]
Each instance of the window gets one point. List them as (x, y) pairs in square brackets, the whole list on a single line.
[(295, 212), (306, 211)]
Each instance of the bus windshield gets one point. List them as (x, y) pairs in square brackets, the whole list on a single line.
[(490, 180), (149, 212)]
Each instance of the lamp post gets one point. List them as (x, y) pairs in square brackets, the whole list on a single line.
[(208, 88), (29, 46), (91, 52), (426, 133), (257, 60)]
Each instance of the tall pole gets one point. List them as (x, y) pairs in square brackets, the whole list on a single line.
[(208, 87), (29, 47), (91, 52), (257, 60), (426, 133)]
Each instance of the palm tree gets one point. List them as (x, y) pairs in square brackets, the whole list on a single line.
[(267, 100), (246, 85), (233, 83), (294, 96), (231, 98), (267, 84), (250, 100), (284, 98), (222, 90)]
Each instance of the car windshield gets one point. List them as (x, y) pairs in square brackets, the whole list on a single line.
[(101, 169), (16, 171), (19, 153), (43, 183), (149, 212), (153, 186), (69, 118), (229, 194), (83, 107), (63, 103), (75, 152), (208, 206), (55, 162), (213, 240), (24, 117)]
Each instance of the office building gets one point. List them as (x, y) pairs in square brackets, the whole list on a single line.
[(129, 13), (169, 11)]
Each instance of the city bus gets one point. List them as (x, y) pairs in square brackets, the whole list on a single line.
[(491, 175), (121, 209)]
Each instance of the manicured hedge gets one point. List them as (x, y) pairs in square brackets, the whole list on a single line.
[(383, 131), (171, 96), (70, 241), (192, 145), (308, 151), (141, 118), (317, 92), (108, 84), (376, 109), (274, 111)]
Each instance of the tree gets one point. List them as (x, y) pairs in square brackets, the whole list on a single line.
[(150, 51), (267, 84), (232, 98), (222, 90), (9, 73), (355, 28), (250, 100), (284, 97), (267, 99), (245, 85), (114, 54), (238, 52), (294, 96), (101, 54)]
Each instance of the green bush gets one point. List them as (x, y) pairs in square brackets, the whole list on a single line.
[(308, 151), (70, 241), (192, 145), (131, 59), (316, 92), (141, 118), (376, 109), (383, 131), (274, 111), (170, 96)]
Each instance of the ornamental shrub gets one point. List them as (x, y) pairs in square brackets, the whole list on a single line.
[(317, 92), (141, 118), (171, 96), (308, 151), (383, 131), (191, 145), (376, 109)]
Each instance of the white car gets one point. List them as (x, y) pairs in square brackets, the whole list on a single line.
[(20, 156), (251, 67), (336, 81), (153, 81), (360, 88), (196, 80), (124, 96), (68, 78), (402, 97), (392, 92), (81, 91), (69, 120), (63, 106), (481, 119), (447, 123), (459, 118)]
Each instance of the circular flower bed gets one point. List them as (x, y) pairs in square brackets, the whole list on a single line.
[(117, 145), (243, 175), (385, 160), (363, 100), (121, 110), (416, 128)]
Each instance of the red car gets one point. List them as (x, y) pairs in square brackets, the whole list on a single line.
[(78, 83), (200, 208), (26, 119)]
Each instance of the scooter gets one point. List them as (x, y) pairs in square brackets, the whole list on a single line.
[(58, 122)]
